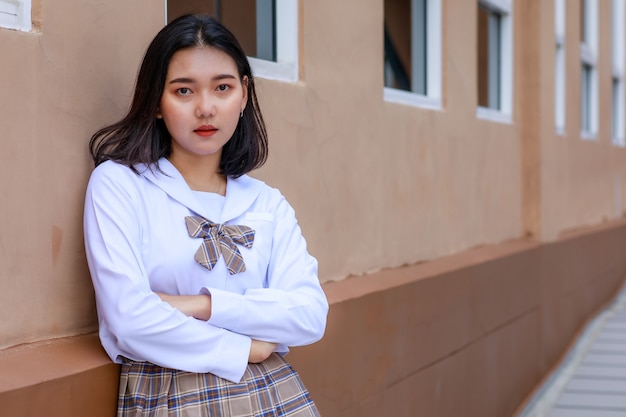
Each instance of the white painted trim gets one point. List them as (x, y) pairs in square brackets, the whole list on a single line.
[(618, 31), (16, 14), (273, 70), (493, 115), (394, 95), (559, 39), (618, 44), (560, 73), (559, 20), (560, 102), (500, 6), (587, 55), (435, 28), (590, 136), (591, 22), (506, 99)]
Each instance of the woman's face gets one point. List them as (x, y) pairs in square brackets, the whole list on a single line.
[(202, 99)]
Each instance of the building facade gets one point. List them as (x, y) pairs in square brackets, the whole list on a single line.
[(457, 166)]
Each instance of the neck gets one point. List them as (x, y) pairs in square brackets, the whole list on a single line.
[(201, 174)]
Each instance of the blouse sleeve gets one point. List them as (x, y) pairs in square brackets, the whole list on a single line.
[(292, 311), (134, 322)]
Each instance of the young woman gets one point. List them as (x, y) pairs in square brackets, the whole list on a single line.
[(201, 273)]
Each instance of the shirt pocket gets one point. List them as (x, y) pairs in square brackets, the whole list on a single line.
[(260, 254), (258, 216)]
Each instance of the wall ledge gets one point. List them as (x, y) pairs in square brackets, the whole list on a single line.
[(40, 362), (343, 290), (71, 376), (68, 376), (338, 291)]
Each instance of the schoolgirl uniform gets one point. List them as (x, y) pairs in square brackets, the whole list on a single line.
[(139, 240)]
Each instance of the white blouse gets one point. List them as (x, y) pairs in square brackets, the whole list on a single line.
[(137, 243)]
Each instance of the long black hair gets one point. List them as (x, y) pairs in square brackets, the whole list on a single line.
[(141, 137)]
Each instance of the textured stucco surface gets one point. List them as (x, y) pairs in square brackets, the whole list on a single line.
[(376, 185)]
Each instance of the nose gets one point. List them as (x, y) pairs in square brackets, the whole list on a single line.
[(205, 106)]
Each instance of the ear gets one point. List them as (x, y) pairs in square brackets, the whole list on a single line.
[(244, 99)]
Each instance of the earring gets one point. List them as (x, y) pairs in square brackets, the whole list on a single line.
[(241, 114)]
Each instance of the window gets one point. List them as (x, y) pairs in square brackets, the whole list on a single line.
[(494, 59), (266, 29), (15, 14), (412, 59), (559, 66), (588, 73), (618, 35)]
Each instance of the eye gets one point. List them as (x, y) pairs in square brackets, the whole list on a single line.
[(184, 91), (223, 87)]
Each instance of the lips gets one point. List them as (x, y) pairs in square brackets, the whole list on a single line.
[(206, 130)]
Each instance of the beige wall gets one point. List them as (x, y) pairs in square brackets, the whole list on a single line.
[(582, 181), (376, 185), (411, 184), (58, 86)]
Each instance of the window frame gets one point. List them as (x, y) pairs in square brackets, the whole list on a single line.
[(503, 114), (432, 98), (285, 68), (618, 47), (589, 59), (16, 14), (560, 73)]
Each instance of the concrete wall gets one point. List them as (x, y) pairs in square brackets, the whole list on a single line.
[(59, 84), (466, 335), (376, 185), (570, 182)]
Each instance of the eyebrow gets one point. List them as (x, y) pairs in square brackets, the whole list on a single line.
[(186, 80)]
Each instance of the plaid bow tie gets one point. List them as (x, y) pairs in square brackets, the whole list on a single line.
[(218, 238)]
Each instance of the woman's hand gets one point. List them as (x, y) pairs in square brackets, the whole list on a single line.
[(198, 306), (259, 351)]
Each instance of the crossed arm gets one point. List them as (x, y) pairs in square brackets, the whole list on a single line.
[(199, 307)]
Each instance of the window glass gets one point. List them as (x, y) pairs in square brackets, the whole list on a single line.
[(616, 108), (405, 45), (412, 52), (618, 53), (489, 58), (589, 72), (586, 78), (494, 60), (253, 22)]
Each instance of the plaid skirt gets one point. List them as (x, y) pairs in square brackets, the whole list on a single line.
[(268, 389)]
